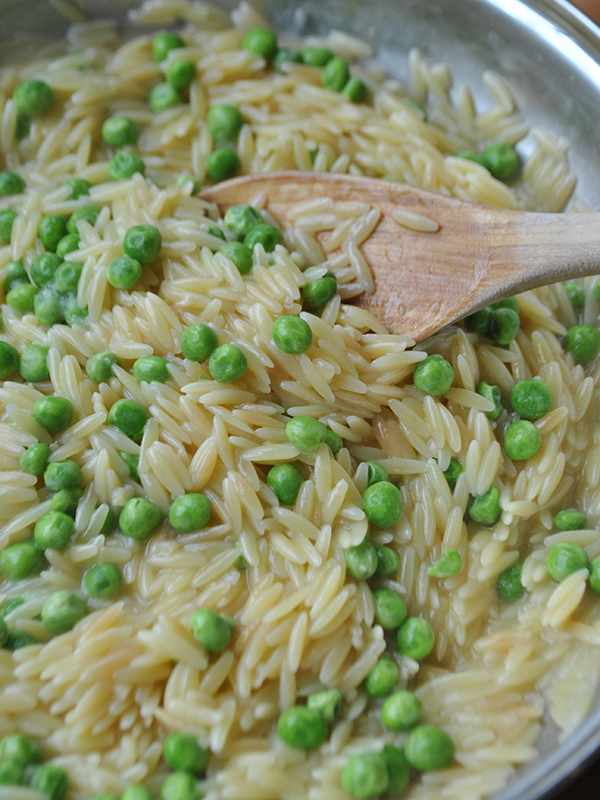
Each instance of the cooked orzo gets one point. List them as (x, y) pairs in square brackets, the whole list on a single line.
[(253, 546)]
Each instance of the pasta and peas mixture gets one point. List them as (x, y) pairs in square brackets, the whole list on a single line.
[(248, 536)]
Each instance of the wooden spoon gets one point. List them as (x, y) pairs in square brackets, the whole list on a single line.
[(426, 280)]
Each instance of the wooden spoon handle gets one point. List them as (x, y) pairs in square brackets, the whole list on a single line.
[(426, 280)]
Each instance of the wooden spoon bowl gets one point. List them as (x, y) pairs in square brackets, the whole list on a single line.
[(467, 256)]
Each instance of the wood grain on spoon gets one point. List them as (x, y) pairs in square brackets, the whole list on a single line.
[(426, 280)]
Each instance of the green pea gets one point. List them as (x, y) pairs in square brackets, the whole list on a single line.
[(53, 531), (594, 577), (120, 131), (361, 561), (7, 218), (241, 219), (224, 123), (286, 56), (20, 560), (302, 728), (15, 275), (434, 375), (508, 583), (107, 796), (79, 187), (583, 341), (103, 581), (222, 163), (180, 786), (129, 417), (336, 74), (132, 461), (448, 564), (565, 558), (51, 230), (285, 480), (383, 504), (142, 243), (151, 368), (504, 326), (11, 773), (507, 302), (576, 294), (48, 307), (87, 213), (398, 769), (531, 399), (214, 230), (401, 711), (66, 501), (190, 512), (100, 366), (453, 472), (53, 413), (240, 255), (428, 748), (522, 440), (318, 292), (11, 183), (73, 313), (10, 605), (227, 363), (291, 334), (501, 160), (51, 779), (267, 235), (328, 702), (137, 793), (382, 678), (334, 442), (124, 272), (62, 475), (9, 359), (390, 609), (198, 342), (183, 752), (33, 364), (139, 518), (570, 519), (68, 244), (20, 749), (4, 633), (388, 562), (22, 126), (316, 56), (33, 97), (125, 164), (480, 321), (213, 631), (365, 775), (376, 473), (180, 73), (22, 297), (163, 43), (163, 96), (35, 459), (306, 433), (492, 393), (469, 155), (183, 179), (355, 90), (261, 41), (415, 638), (62, 610), (67, 276), (109, 525), (486, 508)]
